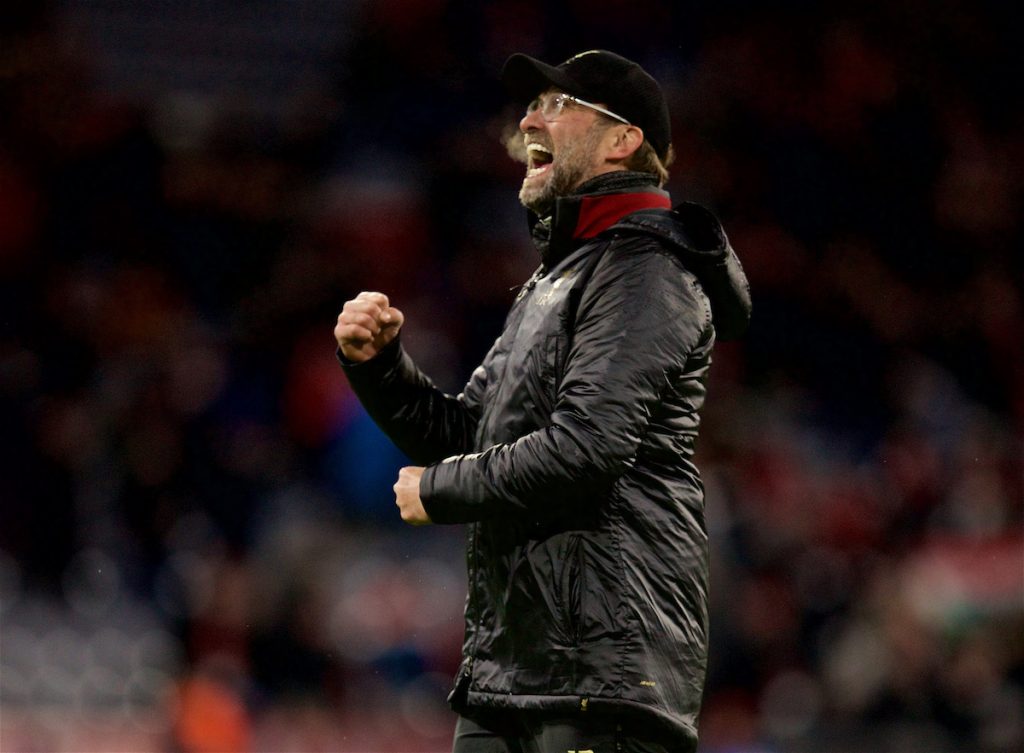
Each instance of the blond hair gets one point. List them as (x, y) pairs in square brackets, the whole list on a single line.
[(646, 160)]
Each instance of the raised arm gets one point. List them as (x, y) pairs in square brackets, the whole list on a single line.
[(425, 423)]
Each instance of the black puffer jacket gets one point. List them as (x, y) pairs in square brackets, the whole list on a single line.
[(569, 454)]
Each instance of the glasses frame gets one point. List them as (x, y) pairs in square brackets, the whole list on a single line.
[(557, 103)]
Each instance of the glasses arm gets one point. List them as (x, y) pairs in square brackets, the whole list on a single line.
[(598, 108)]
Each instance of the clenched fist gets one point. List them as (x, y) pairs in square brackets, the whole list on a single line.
[(365, 325), (407, 496)]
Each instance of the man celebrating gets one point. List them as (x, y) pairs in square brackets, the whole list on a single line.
[(569, 454)]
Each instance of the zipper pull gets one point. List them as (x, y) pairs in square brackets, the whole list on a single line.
[(462, 681), (530, 284)]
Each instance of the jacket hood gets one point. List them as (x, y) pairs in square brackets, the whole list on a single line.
[(626, 202), (696, 237)]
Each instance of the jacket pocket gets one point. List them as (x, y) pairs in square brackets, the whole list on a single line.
[(572, 588), (541, 376), (551, 361)]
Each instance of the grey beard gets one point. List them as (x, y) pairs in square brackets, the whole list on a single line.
[(563, 181), (569, 170), (540, 203)]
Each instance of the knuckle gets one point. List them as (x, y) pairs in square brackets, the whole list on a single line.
[(372, 296)]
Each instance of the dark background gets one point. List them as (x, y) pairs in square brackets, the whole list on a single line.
[(198, 544)]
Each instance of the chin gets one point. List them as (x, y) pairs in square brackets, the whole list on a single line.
[(537, 199)]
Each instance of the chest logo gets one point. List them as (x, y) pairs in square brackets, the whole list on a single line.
[(544, 298)]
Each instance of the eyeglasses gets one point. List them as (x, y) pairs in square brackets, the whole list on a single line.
[(551, 108)]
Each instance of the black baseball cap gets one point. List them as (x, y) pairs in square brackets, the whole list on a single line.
[(597, 76)]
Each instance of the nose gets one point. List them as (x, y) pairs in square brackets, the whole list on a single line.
[(532, 121)]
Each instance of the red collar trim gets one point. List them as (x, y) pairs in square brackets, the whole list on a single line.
[(598, 213)]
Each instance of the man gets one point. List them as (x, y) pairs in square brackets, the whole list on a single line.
[(569, 453)]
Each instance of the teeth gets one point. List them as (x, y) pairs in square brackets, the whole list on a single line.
[(537, 153)]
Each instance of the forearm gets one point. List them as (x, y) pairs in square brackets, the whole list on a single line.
[(546, 473), (425, 423)]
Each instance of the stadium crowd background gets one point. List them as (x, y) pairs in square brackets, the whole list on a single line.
[(198, 548)]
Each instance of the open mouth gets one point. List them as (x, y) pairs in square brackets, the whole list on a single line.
[(539, 159)]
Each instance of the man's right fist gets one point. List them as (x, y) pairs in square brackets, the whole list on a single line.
[(365, 325)]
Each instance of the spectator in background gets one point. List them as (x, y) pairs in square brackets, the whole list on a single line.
[(570, 451)]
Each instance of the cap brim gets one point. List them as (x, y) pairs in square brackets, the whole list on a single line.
[(525, 77)]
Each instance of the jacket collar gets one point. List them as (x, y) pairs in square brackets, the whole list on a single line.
[(596, 205)]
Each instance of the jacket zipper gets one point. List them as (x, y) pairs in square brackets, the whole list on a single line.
[(530, 284), (472, 544)]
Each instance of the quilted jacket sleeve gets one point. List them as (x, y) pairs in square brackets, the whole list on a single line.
[(424, 422), (639, 318)]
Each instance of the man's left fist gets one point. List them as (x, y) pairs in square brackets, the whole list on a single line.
[(407, 496)]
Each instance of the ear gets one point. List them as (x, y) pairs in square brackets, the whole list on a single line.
[(623, 141)]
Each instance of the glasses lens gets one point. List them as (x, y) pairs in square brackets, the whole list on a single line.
[(553, 106), (550, 107)]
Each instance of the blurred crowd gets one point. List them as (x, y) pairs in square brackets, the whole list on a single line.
[(198, 546)]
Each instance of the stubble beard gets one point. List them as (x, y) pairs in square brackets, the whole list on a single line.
[(573, 165)]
